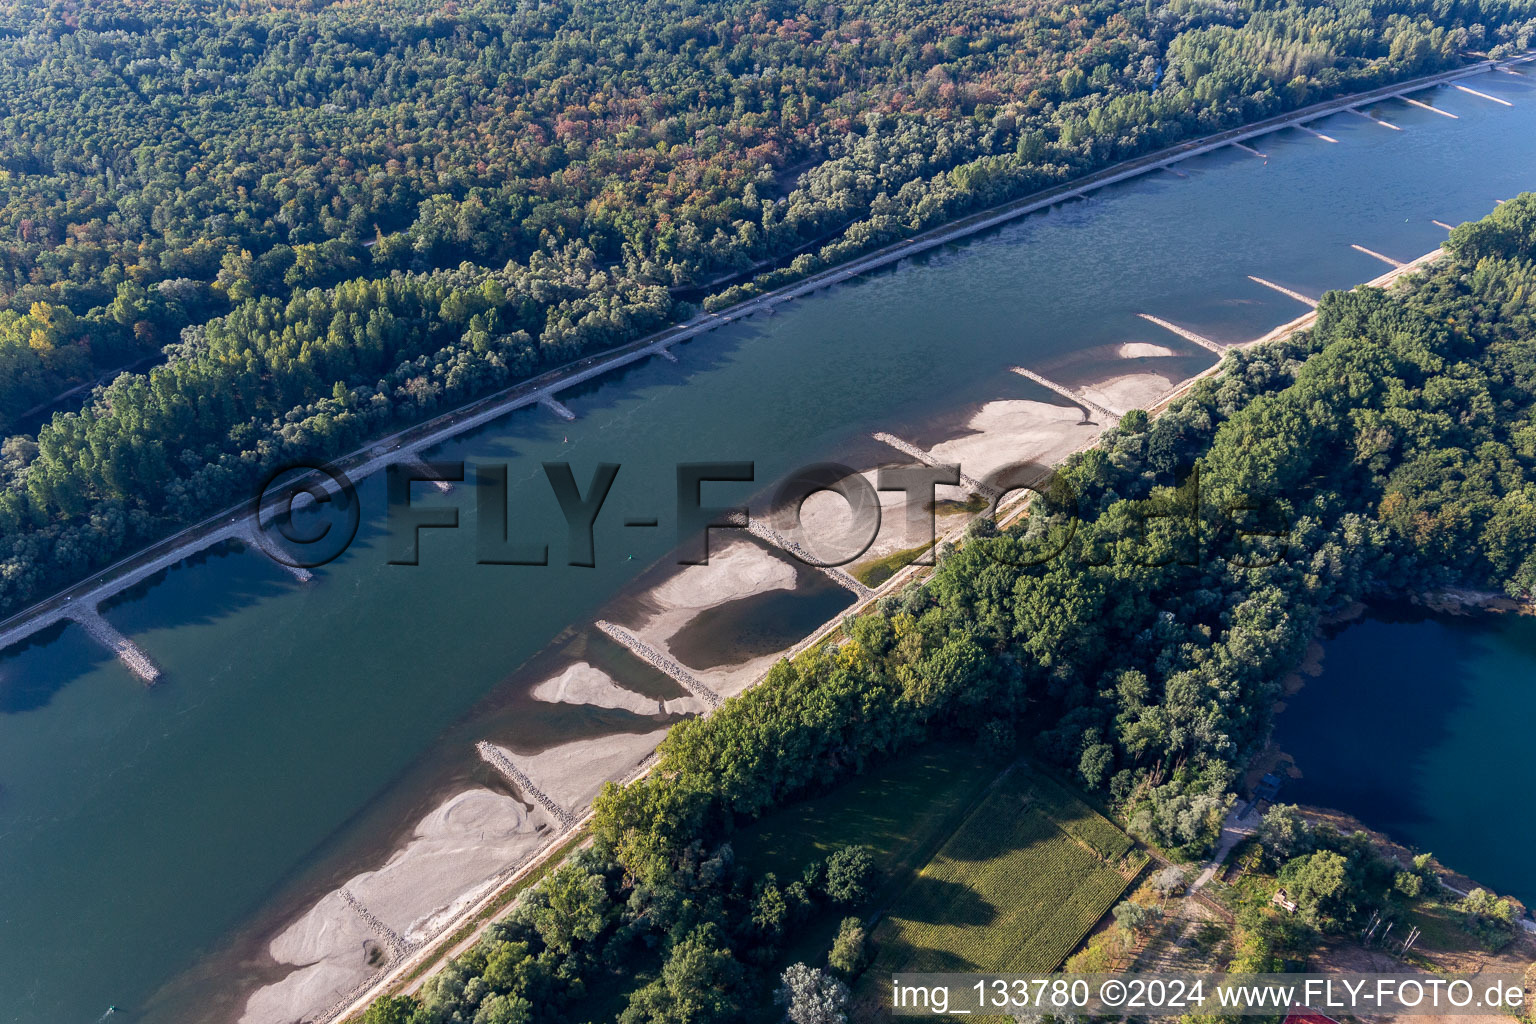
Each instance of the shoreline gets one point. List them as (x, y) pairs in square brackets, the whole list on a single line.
[(729, 340), (1447, 602), (408, 975), (1452, 879), (655, 622), (103, 583)]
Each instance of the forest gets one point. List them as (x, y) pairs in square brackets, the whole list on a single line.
[(234, 236), (1388, 451)]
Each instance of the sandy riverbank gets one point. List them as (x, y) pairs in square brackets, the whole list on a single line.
[(1011, 433), (828, 531), (1130, 391), (998, 435), (582, 683), (738, 568), (462, 849), (682, 597), (572, 774), (457, 853), (1144, 350), (471, 841)]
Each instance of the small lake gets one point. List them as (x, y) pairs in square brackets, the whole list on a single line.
[(1421, 726)]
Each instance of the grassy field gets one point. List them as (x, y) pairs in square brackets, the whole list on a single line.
[(1014, 890), (1078, 820), (901, 811), (896, 811), (1443, 926), (881, 569)]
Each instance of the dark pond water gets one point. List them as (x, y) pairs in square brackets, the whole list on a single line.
[(1422, 727)]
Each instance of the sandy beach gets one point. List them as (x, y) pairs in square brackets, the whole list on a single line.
[(582, 683), (1144, 350), (572, 774), (1130, 391), (828, 531), (738, 568), (999, 434), (1010, 433), (464, 847), (455, 855)]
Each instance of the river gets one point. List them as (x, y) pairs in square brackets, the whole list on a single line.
[(152, 841)]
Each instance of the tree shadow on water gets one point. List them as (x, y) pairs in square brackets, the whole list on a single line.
[(37, 668), (209, 585), (201, 589)]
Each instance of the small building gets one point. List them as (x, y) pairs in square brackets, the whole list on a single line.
[(1284, 902)]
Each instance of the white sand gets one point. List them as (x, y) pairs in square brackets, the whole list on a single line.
[(456, 854), (463, 847), (999, 434), (328, 928), (328, 945), (572, 774), (828, 531), (584, 684), (1130, 391), (458, 849), (304, 995), (1013, 432), (1144, 350), (737, 569)]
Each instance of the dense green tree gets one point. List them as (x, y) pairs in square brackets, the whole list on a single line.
[(848, 952), (700, 984), (1136, 918), (1316, 883), (848, 875), (1284, 833), (1399, 415), (331, 221), (1490, 918), (571, 907)]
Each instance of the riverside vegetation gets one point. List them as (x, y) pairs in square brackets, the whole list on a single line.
[(1389, 449), (335, 220)]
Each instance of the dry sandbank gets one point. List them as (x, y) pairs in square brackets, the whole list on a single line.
[(457, 851), (738, 569), (1129, 391), (583, 683), (1144, 350), (474, 838), (572, 774)]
